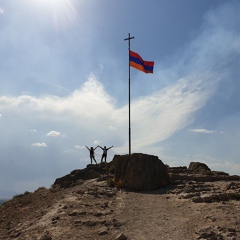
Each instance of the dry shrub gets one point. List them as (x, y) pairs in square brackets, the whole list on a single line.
[(120, 184)]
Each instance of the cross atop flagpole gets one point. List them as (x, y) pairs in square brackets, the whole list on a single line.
[(129, 93)]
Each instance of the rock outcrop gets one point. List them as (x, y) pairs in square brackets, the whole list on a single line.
[(198, 166), (204, 186), (186, 174), (75, 177), (139, 172)]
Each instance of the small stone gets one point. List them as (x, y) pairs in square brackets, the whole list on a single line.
[(231, 234), (90, 223), (98, 214), (107, 223), (16, 235), (231, 230), (105, 205), (109, 194), (207, 235), (197, 199), (103, 221), (103, 232), (55, 218), (207, 198), (73, 214), (77, 222), (219, 228), (121, 236), (82, 213)]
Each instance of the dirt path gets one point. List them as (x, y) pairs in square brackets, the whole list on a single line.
[(157, 215), (92, 210), (153, 215)]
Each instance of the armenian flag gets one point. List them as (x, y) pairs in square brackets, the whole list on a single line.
[(137, 62)]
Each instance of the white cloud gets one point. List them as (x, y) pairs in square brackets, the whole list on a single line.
[(112, 128), (53, 134), (91, 101), (157, 117), (2, 10), (0, 115), (92, 111), (97, 142), (79, 147), (39, 145), (33, 130), (101, 67), (202, 130)]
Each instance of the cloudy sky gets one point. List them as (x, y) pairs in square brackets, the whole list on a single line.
[(64, 84)]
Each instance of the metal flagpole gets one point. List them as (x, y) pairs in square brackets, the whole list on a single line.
[(129, 93)]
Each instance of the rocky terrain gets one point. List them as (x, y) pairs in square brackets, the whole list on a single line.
[(195, 203)]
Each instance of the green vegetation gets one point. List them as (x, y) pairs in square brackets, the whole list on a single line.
[(112, 169), (111, 182)]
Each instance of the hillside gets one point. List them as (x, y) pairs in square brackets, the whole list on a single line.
[(200, 204)]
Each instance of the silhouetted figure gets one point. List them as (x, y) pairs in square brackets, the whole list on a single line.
[(91, 151), (104, 155)]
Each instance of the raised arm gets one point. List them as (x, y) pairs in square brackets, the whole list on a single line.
[(100, 147), (96, 147), (109, 147), (88, 148)]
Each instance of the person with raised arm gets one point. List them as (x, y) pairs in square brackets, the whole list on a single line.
[(92, 155), (104, 155)]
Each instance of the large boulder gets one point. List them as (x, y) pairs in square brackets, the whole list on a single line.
[(139, 172), (198, 166)]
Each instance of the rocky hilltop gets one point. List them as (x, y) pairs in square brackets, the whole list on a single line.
[(135, 197)]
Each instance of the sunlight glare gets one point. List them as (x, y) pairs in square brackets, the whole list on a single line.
[(63, 12)]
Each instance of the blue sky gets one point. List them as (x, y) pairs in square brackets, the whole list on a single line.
[(64, 84)]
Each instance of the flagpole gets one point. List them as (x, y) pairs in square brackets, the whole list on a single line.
[(129, 92)]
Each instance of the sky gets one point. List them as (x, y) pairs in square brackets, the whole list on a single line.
[(64, 85)]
